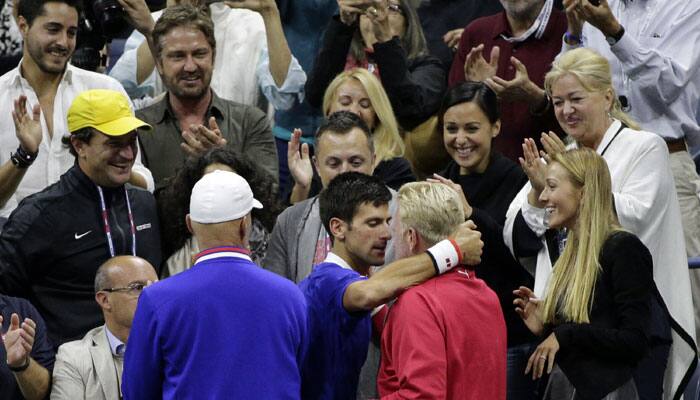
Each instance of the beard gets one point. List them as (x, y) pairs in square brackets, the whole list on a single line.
[(526, 9), (178, 88), (40, 57)]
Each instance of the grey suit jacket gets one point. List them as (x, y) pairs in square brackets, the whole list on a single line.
[(292, 246), (85, 369)]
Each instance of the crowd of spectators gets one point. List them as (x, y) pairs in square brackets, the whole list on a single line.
[(350, 199)]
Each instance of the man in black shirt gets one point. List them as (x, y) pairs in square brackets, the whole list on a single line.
[(53, 243)]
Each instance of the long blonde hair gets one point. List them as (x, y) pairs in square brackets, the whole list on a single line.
[(593, 73), (570, 288), (387, 141)]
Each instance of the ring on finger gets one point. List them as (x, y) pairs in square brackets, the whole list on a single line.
[(543, 357)]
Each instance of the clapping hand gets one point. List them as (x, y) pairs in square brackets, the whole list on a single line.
[(476, 68), (19, 340), (378, 15), (600, 16), (298, 160), (199, 139), (452, 38), (573, 17), (27, 128), (350, 10), (520, 88), (552, 145), (533, 165)]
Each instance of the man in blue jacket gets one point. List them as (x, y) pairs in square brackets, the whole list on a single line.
[(225, 328)]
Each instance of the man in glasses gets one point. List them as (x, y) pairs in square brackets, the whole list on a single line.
[(91, 368)]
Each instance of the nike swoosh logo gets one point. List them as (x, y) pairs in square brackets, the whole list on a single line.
[(80, 236)]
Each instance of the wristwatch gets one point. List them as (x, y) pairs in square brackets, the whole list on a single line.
[(616, 36)]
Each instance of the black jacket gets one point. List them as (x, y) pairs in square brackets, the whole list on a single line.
[(415, 87), (601, 356), (54, 242), (490, 194)]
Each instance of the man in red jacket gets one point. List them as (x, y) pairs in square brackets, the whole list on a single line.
[(444, 338)]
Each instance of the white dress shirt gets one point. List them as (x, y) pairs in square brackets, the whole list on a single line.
[(241, 65), (656, 64), (54, 158)]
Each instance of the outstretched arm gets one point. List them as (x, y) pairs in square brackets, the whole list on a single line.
[(29, 134), (402, 274)]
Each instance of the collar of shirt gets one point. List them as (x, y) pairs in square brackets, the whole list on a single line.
[(221, 252), (114, 343), (335, 259), (162, 110), (18, 79), (538, 26), (608, 136), (502, 27)]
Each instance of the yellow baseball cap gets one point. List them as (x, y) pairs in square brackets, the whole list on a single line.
[(108, 111)]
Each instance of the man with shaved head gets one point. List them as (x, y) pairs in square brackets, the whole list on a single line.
[(91, 368)]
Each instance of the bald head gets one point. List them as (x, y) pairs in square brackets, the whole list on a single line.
[(118, 285), (126, 267)]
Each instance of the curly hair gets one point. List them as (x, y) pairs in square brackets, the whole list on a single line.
[(174, 198)]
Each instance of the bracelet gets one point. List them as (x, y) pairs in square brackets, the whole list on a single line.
[(445, 255), (20, 368), (23, 159), (570, 38)]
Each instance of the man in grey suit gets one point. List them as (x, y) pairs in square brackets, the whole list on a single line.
[(91, 368)]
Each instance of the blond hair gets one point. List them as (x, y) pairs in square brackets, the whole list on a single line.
[(569, 291), (387, 141), (593, 73), (434, 210)]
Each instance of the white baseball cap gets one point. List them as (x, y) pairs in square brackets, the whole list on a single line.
[(221, 196)]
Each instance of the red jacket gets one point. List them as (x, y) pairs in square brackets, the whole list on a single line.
[(445, 339)]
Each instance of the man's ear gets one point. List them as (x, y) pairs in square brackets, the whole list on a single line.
[(188, 222), (78, 145), (244, 226), (157, 61), (338, 228), (23, 26), (413, 239), (103, 300)]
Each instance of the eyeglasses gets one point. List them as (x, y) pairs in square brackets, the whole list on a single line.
[(395, 8), (131, 288)]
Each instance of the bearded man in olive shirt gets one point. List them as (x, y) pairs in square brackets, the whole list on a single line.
[(190, 118)]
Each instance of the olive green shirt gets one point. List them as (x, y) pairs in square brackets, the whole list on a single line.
[(245, 128)]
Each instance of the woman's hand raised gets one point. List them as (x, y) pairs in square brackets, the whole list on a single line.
[(526, 305)]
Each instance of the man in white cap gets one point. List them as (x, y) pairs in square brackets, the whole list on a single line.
[(225, 328)]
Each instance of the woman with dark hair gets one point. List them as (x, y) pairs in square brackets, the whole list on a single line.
[(470, 119), (385, 37), (174, 204)]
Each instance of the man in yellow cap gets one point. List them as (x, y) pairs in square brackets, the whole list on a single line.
[(56, 239)]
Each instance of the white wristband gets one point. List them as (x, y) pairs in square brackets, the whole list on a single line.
[(445, 255)]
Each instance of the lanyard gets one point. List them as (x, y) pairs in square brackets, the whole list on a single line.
[(622, 126), (105, 221), (538, 27)]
